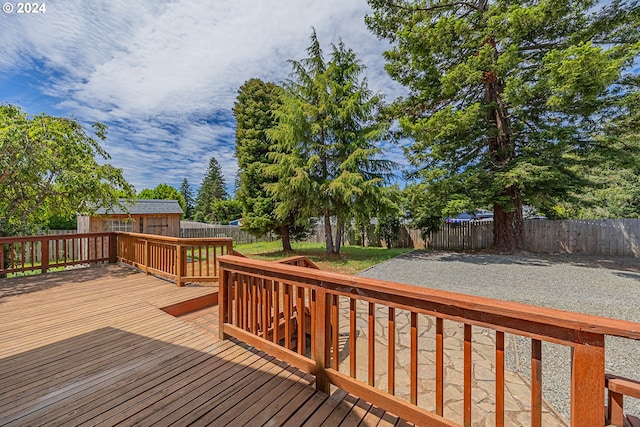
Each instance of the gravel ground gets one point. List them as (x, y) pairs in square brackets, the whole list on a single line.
[(601, 286)]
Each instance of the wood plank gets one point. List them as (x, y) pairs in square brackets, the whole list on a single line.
[(317, 400), (318, 417)]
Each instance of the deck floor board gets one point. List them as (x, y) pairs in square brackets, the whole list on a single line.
[(93, 347)]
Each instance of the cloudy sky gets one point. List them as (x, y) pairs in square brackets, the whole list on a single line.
[(164, 75)]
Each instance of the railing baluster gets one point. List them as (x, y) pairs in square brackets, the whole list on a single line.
[(254, 304), (287, 315), (391, 355), (313, 294), (276, 312), (335, 331), (536, 383), (300, 315), (439, 365), (206, 254), (372, 344), (467, 375), (352, 337), (499, 379), (265, 308), (413, 382)]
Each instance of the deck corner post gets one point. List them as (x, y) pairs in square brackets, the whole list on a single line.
[(179, 259), (223, 295), (44, 248), (322, 342), (587, 381), (147, 256), (113, 248)]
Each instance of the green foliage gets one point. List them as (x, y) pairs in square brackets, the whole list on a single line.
[(58, 222), (187, 195), (52, 166), (163, 192), (224, 211), (508, 100), (211, 189), (324, 157), (388, 228), (254, 116)]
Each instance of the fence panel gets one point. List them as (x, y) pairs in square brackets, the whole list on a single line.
[(608, 237), (238, 235)]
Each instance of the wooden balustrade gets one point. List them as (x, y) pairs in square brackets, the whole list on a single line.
[(303, 315), (41, 253), (182, 260)]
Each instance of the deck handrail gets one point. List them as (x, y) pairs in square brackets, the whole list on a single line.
[(308, 301), (179, 259), (44, 252)]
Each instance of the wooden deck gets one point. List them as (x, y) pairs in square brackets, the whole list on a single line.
[(93, 347)]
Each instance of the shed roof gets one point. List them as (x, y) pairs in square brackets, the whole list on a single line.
[(143, 206)]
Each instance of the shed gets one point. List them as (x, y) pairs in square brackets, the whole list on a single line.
[(161, 217)]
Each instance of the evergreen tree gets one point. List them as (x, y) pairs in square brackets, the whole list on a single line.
[(211, 189), (187, 195), (325, 154), (254, 115), (507, 98)]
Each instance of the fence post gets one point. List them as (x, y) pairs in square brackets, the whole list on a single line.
[(587, 382), (44, 248), (322, 342)]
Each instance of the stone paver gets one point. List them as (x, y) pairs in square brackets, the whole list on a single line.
[(517, 389)]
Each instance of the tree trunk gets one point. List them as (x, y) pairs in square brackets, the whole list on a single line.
[(339, 234), (328, 237), (286, 238), (508, 227)]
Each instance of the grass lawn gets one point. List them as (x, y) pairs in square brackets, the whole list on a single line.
[(351, 259)]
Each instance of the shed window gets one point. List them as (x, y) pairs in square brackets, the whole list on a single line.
[(119, 225)]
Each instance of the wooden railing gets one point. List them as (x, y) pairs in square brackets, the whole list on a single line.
[(272, 305), (182, 260), (41, 253)]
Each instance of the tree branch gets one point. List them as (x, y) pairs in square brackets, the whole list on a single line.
[(437, 7)]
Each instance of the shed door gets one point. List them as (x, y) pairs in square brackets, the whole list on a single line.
[(158, 225)]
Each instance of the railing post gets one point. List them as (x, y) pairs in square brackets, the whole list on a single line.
[(147, 256), (113, 248), (223, 295), (178, 264), (587, 382), (44, 253), (321, 351)]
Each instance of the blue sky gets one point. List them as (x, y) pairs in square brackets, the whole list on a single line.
[(164, 75)]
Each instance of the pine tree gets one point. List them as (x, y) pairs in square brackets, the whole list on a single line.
[(187, 195), (325, 154), (253, 112), (506, 98), (211, 189)]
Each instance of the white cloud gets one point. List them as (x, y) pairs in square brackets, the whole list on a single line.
[(154, 70)]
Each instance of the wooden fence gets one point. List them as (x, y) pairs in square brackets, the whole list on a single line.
[(275, 307), (608, 237), (238, 235)]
